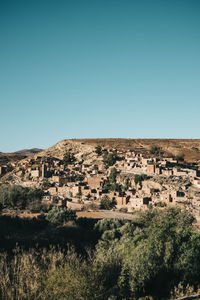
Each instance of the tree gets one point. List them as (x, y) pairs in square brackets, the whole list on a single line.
[(106, 203), (138, 178), (45, 184), (116, 187), (69, 158), (79, 177), (109, 159), (113, 175), (98, 150), (163, 251), (180, 157)]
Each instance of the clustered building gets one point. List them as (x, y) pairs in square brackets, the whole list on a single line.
[(80, 185)]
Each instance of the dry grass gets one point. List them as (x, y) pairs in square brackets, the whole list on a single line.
[(189, 147), (22, 276)]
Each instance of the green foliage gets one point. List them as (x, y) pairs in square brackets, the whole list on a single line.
[(161, 253), (155, 150), (109, 224), (116, 187), (139, 178), (68, 158), (161, 204), (126, 186), (75, 280), (109, 159), (106, 203), (59, 215), (98, 150), (179, 157), (113, 175), (16, 196), (79, 177), (150, 256), (45, 184)]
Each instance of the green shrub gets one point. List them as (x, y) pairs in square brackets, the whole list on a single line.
[(16, 196), (106, 203), (98, 150), (155, 150), (59, 215), (109, 159), (139, 178), (68, 158)]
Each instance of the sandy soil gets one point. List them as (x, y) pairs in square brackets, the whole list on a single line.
[(104, 214)]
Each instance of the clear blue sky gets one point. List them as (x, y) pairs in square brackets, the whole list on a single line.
[(98, 68)]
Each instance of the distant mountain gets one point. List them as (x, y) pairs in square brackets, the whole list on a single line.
[(27, 152), (18, 155)]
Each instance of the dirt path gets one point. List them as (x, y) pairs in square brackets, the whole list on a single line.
[(104, 214)]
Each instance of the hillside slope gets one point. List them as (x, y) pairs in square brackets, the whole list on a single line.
[(189, 147)]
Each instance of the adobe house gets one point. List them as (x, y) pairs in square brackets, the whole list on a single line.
[(43, 171), (35, 173), (65, 180), (121, 202), (52, 191), (179, 172), (139, 203), (192, 172), (94, 182), (151, 169), (196, 182), (167, 172), (178, 196), (166, 198), (76, 190), (157, 170), (56, 179), (62, 202), (62, 190)]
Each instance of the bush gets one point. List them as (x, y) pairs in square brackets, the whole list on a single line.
[(68, 158), (59, 215), (113, 175), (98, 150), (179, 157), (106, 203), (109, 159), (155, 150), (16, 196), (22, 275), (139, 178)]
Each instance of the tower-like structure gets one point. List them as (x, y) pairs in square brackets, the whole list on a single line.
[(44, 171)]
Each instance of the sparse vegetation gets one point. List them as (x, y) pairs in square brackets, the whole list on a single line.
[(179, 157), (155, 150), (124, 259), (130, 260)]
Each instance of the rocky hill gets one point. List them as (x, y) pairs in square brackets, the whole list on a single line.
[(190, 148), (85, 149)]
